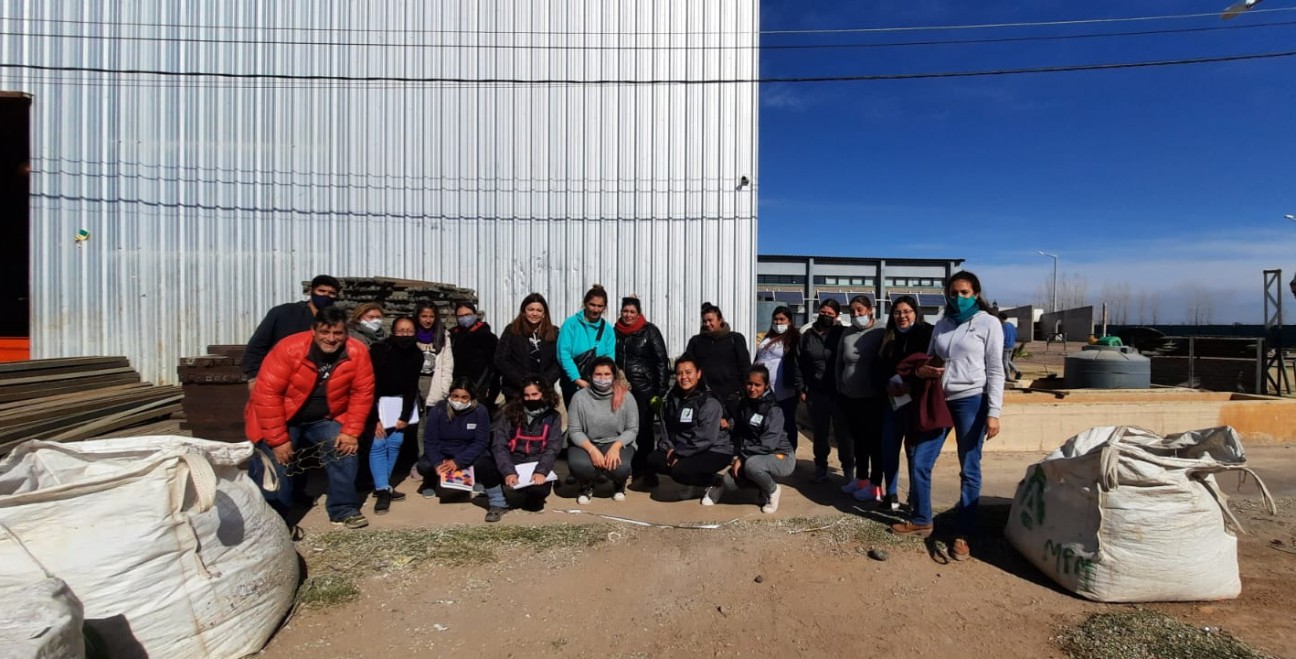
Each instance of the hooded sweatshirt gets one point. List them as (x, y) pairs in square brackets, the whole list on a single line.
[(578, 335), (591, 419), (973, 354), (857, 362), (758, 428), (691, 423), (723, 357)]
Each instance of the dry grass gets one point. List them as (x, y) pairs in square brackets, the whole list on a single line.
[(1144, 634)]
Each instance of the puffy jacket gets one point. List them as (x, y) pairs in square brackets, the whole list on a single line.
[(642, 357), (287, 379), (514, 363), (474, 358)]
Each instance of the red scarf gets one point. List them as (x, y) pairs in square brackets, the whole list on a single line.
[(626, 330)]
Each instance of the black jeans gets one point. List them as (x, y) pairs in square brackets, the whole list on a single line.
[(822, 413), (646, 442), (863, 417), (699, 469)]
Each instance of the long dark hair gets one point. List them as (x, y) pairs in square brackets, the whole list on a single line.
[(515, 411), (791, 338), (976, 288), (438, 329), (467, 385), (545, 329), (888, 340)]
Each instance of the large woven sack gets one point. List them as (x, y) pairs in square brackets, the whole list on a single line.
[(40, 618), (168, 544), (1121, 514)]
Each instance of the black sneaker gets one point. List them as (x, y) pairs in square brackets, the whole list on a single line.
[(396, 496), (494, 514), (890, 502), (382, 501)]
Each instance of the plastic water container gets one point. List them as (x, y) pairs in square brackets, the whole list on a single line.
[(1108, 367)]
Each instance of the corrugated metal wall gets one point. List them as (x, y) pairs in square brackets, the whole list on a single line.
[(209, 199)]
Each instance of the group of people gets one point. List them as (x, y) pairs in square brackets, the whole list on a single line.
[(350, 389)]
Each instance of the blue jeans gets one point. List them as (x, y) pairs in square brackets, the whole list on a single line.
[(969, 432), (896, 426), (789, 407), (382, 457), (342, 498)]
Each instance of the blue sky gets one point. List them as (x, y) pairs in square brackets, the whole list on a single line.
[(1171, 180)]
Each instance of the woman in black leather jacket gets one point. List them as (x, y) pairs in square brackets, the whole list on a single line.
[(641, 355)]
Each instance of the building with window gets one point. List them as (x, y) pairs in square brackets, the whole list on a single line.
[(804, 282)]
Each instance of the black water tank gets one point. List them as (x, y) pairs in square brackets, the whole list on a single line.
[(1108, 367)]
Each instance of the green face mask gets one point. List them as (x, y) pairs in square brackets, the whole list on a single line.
[(963, 304)]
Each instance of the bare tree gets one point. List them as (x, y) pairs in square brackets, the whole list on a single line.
[(1153, 305), (1117, 298), (1201, 309)]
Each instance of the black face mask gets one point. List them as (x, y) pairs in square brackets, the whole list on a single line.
[(403, 341), (321, 301), (535, 405), (824, 322)]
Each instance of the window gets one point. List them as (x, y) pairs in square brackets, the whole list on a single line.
[(781, 279)]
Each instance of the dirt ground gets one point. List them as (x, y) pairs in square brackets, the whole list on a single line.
[(650, 592)]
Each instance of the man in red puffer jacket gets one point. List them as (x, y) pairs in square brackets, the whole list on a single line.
[(315, 390)]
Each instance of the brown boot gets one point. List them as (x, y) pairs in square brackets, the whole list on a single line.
[(960, 551)]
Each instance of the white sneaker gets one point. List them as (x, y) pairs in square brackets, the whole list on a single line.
[(712, 495), (854, 486), (771, 505), (585, 496), (619, 495)]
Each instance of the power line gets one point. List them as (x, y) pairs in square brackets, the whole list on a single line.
[(986, 26), (642, 82), (828, 46), (582, 33)]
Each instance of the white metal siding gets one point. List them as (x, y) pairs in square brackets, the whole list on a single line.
[(208, 200)]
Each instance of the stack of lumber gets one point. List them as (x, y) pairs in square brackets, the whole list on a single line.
[(215, 393), (398, 297), (78, 398)]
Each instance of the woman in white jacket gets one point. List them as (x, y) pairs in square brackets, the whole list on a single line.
[(967, 358), (433, 339)]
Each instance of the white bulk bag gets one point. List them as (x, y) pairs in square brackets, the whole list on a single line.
[(168, 544), (1120, 514), (40, 618)]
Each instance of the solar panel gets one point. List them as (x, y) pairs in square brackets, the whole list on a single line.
[(871, 297), (789, 298), (840, 297), (931, 300)]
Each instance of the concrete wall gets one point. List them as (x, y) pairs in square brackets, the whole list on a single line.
[(1076, 323), (1024, 317)]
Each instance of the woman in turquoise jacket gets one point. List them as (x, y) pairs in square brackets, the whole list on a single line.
[(584, 336)]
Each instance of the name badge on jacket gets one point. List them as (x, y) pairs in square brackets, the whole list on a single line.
[(756, 420), (472, 426), (686, 415)]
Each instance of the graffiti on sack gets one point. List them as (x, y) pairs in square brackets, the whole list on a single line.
[(1032, 499), (1069, 561)]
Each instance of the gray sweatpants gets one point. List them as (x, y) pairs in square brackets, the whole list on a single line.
[(761, 472)]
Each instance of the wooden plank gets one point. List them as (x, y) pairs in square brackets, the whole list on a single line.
[(28, 392), (123, 419), (41, 427), (60, 399), (88, 402), (62, 377), (33, 365)]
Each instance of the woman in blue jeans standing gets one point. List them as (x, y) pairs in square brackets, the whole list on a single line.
[(906, 334), (967, 357)]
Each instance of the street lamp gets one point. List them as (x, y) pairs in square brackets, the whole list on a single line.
[(1055, 262)]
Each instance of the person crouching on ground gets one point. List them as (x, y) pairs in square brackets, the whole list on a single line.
[(764, 452), (602, 428), (695, 443), (456, 436), (396, 363), (314, 391), (528, 433)]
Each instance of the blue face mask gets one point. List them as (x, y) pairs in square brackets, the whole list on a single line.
[(963, 304), (467, 321), (321, 301), (903, 330)]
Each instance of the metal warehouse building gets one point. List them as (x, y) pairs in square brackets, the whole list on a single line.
[(218, 153)]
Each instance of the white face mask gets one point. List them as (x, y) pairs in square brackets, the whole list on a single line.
[(601, 384), (862, 322), (372, 324), (780, 328), (460, 405)]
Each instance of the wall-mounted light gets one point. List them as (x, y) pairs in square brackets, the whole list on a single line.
[(744, 182)]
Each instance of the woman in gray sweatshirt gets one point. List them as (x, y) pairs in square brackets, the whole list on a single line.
[(967, 358), (601, 428), (861, 401)]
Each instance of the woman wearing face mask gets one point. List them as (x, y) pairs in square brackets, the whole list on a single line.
[(860, 401), (367, 324), (641, 355), (528, 348), (817, 358), (456, 436), (528, 432), (602, 427), (777, 352), (584, 336), (906, 334), (721, 353), (694, 445), (474, 353), (967, 359), (396, 363), (764, 452), (438, 356)]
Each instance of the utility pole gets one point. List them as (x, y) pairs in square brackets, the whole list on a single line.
[(1055, 266)]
